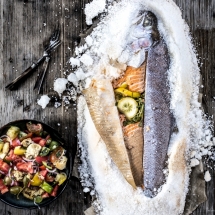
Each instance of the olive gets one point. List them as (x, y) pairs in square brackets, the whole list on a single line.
[(45, 133), (7, 180), (15, 190), (49, 177)]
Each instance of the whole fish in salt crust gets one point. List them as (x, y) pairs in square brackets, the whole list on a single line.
[(139, 117)]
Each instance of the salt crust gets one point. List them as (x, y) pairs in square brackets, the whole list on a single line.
[(98, 172), (93, 9)]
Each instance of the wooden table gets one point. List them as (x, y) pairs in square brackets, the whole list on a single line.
[(26, 24)]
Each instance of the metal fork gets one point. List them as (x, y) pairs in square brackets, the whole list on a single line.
[(54, 43), (54, 38)]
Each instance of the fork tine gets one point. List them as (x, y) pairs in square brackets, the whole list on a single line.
[(58, 34), (53, 46)]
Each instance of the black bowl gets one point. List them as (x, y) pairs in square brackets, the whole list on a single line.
[(23, 202)]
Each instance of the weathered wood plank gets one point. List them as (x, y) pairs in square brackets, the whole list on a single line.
[(25, 25)]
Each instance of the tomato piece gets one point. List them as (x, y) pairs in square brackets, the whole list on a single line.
[(33, 128), (4, 190), (3, 187), (16, 142), (25, 167), (43, 172), (39, 159), (54, 191), (45, 195), (12, 157), (42, 167), (42, 142), (56, 154), (4, 167), (36, 139)]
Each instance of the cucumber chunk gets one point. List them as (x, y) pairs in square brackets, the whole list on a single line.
[(128, 106)]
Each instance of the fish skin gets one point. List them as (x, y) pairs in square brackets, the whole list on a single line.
[(101, 103), (158, 120), (133, 136)]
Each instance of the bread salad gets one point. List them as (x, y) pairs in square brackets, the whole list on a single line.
[(31, 163)]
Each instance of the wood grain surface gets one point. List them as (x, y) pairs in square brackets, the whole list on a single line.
[(25, 26)]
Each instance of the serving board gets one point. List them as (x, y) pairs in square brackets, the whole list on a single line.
[(26, 24)]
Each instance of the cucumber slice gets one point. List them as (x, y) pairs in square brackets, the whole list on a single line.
[(128, 106)]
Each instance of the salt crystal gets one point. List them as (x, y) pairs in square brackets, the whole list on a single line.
[(74, 61), (204, 152), (194, 162), (207, 176), (208, 138), (192, 154), (86, 60), (43, 101), (86, 190), (198, 156), (73, 78), (57, 104), (60, 85), (87, 82), (80, 74), (89, 40)]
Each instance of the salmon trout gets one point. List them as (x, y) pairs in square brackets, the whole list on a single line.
[(158, 120)]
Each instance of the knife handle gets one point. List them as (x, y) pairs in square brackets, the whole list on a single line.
[(13, 85)]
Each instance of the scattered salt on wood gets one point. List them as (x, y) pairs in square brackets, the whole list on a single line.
[(60, 85), (43, 101), (207, 176)]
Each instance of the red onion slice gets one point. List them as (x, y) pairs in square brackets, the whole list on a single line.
[(7, 138), (51, 171)]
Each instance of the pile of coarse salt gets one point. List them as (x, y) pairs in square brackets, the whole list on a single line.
[(104, 55)]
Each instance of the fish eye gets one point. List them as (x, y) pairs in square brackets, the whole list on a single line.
[(147, 21)]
